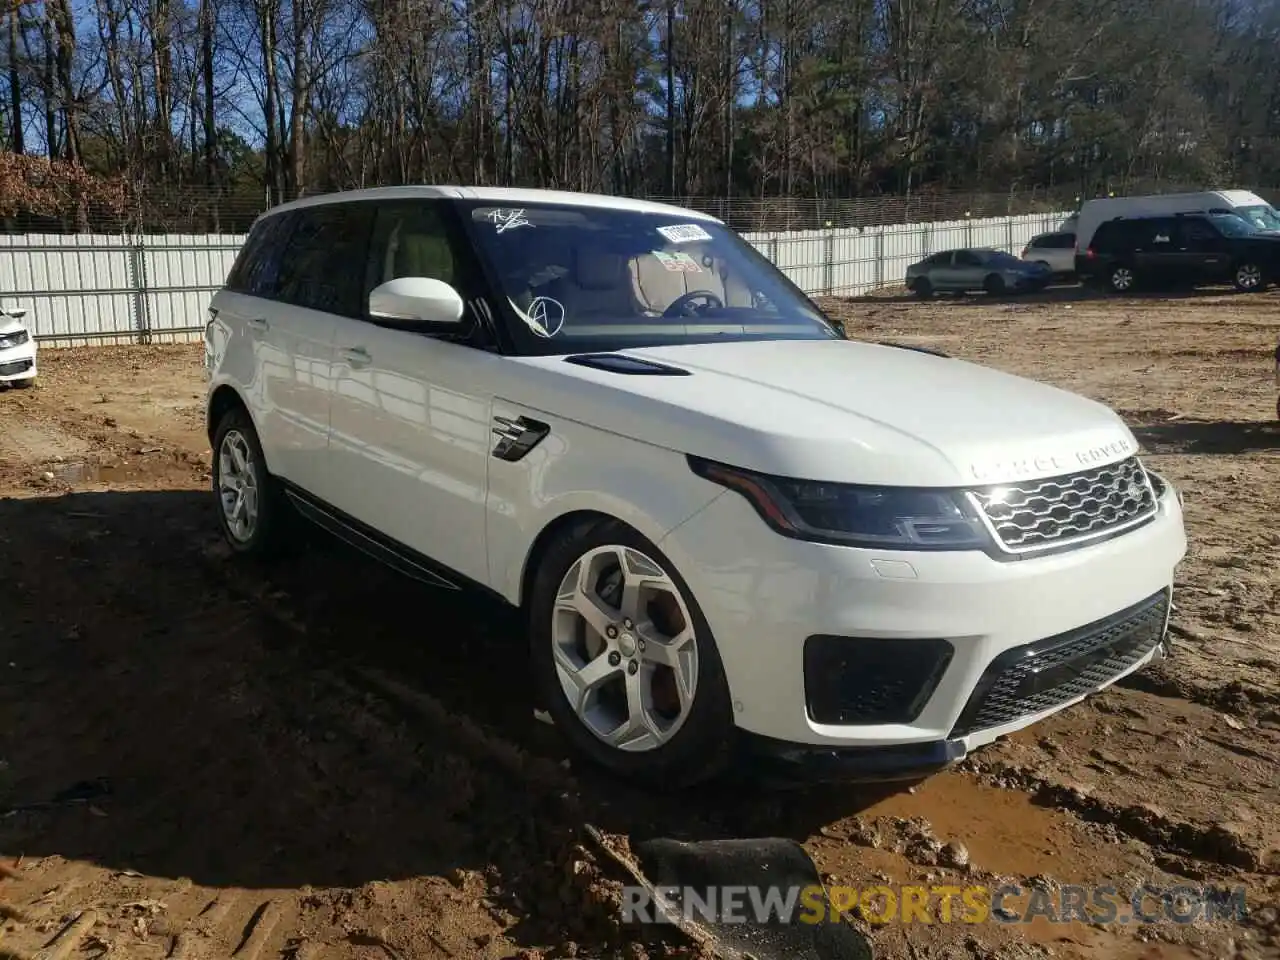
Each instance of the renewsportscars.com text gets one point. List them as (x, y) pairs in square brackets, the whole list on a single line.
[(972, 904)]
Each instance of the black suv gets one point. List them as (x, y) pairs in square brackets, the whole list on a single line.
[(1191, 248)]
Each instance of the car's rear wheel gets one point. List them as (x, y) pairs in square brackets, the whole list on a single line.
[(1248, 277), (993, 285), (1121, 278), (252, 510), (922, 288), (624, 660)]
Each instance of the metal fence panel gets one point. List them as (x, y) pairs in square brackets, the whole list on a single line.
[(94, 289)]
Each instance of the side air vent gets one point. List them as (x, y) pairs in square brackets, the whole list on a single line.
[(908, 346), (620, 363)]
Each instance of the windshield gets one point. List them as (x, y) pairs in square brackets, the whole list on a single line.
[(581, 278), (1232, 225), (1261, 216)]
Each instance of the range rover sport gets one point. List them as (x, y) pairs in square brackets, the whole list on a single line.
[(724, 522)]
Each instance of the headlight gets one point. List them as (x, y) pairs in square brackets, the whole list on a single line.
[(894, 518), (16, 339)]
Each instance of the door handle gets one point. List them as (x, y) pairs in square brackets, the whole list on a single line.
[(357, 356), (259, 323)]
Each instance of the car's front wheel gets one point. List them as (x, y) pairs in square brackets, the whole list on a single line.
[(624, 660), (252, 510), (922, 288), (1248, 277)]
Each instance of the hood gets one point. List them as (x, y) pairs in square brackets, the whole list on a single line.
[(834, 410)]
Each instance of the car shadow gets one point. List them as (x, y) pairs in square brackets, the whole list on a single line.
[(169, 709), (1209, 437)]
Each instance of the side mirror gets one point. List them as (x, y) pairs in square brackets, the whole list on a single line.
[(416, 300), (16, 312)]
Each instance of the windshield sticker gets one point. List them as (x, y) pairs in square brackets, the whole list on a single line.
[(684, 233), (545, 317), (505, 220), (677, 262)]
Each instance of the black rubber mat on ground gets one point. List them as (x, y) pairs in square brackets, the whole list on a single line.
[(765, 865)]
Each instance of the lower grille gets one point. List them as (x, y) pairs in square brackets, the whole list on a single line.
[(1040, 676), (17, 366), (857, 680)]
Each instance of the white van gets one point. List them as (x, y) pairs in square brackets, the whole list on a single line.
[(1244, 204)]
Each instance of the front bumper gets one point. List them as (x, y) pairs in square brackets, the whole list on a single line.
[(18, 363), (766, 596)]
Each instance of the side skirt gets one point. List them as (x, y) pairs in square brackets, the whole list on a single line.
[(384, 549)]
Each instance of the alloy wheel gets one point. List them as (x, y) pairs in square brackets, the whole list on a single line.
[(237, 486), (624, 648), (1249, 276)]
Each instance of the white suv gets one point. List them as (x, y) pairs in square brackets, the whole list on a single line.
[(725, 523)]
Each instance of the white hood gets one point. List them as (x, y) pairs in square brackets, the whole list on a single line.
[(837, 410)]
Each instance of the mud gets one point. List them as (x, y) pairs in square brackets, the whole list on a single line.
[(320, 760)]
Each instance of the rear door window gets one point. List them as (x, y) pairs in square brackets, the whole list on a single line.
[(323, 266), (1196, 234)]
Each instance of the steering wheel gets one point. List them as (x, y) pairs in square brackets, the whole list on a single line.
[(680, 305)]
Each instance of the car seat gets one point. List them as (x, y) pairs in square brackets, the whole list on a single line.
[(597, 286)]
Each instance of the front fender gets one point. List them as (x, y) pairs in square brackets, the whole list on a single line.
[(577, 469)]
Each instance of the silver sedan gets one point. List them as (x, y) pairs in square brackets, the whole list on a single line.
[(959, 271)]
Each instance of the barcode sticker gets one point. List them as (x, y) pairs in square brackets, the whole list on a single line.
[(684, 233)]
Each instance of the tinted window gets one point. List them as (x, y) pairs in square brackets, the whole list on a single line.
[(411, 239), (1234, 225), (1198, 232), (1157, 234), (1054, 241), (321, 267), (257, 268), (967, 258), (939, 259)]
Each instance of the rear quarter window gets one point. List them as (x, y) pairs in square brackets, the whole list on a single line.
[(257, 268)]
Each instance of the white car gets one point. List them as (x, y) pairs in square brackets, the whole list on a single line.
[(17, 349), (1057, 251), (725, 524)]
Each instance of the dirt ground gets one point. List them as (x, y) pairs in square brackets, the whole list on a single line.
[(201, 759)]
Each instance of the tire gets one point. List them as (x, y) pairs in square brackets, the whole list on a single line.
[(993, 285), (1248, 277), (922, 288), (237, 459), (26, 384), (678, 746), (1121, 278)]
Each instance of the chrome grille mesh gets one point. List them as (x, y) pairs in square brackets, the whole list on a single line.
[(1032, 515)]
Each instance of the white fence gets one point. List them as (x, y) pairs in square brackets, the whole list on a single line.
[(90, 288)]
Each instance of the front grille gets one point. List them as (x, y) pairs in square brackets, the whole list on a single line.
[(1031, 515), (859, 680), (1040, 676), (17, 366)]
